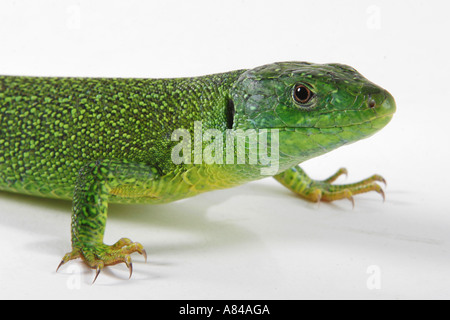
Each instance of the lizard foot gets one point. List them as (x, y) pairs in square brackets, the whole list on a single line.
[(99, 256), (326, 191)]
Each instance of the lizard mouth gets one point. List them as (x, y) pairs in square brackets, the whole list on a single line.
[(376, 119)]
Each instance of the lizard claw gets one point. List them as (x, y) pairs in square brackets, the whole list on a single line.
[(69, 256), (383, 195), (129, 265), (350, 197), (144, 253), (60, 264), (99, 269)]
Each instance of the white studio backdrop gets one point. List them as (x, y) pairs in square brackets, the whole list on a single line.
[(257, 241)]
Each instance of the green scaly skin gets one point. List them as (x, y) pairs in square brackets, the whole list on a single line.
[(96, 141)]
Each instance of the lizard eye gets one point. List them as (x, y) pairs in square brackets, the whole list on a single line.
[(302, 94)]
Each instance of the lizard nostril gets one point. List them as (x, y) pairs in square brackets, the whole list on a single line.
[(372, 104)]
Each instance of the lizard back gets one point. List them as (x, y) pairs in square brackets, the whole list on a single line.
[(50, 127)]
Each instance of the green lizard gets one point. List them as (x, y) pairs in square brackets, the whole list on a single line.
[(97, 141)]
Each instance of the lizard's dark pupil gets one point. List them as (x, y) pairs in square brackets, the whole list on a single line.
[(302, 94)]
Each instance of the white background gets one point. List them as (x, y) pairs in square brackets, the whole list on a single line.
[(257, 241)]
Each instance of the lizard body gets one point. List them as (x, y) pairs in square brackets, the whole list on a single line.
[(101, 140)]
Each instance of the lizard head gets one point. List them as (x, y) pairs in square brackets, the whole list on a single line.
[(315, 107)]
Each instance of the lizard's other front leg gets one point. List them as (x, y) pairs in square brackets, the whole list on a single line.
[(296, 180), (95, 184)]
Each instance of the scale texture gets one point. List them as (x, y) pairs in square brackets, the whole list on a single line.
[(100, 140)]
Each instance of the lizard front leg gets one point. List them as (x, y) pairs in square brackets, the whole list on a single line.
[(95, 185), (299, 182)]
